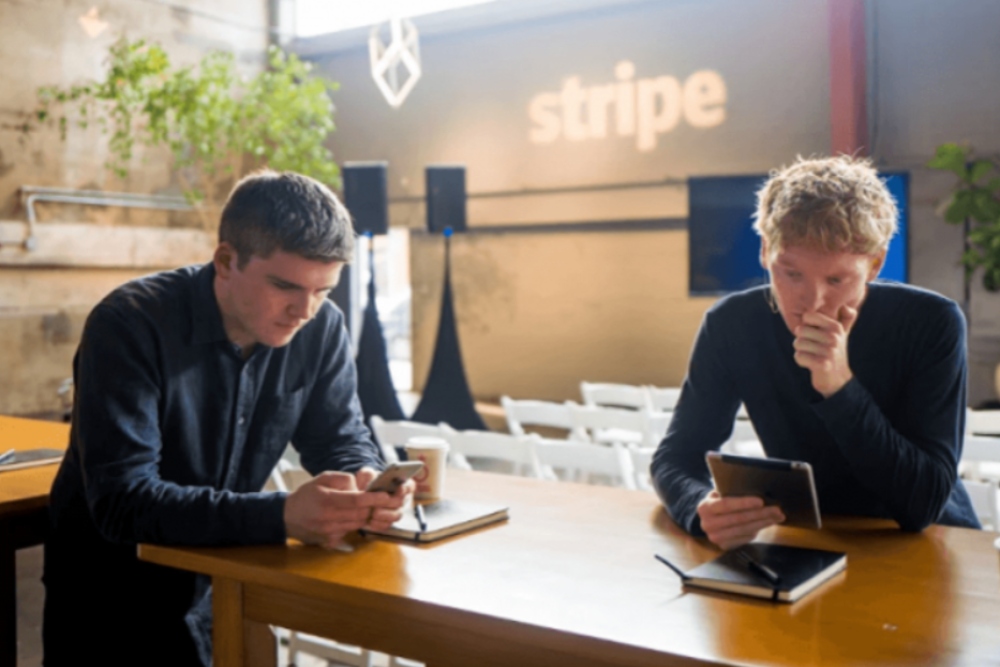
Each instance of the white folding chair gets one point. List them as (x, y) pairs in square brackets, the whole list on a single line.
[(580, 461), (744, 440), (490, 448), (614, 395), (657, 424), (979, 468), (984, 496), (628, 427), (286, 477), (982, 422), (392, 434), (642, 458), (663, 398), (980, 458), (521, 413)]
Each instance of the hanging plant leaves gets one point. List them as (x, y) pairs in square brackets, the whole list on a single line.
[(213, 120)]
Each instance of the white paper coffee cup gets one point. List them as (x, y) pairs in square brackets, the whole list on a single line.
[(433, 452)]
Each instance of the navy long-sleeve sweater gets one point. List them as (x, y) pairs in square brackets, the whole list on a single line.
[(887, 444)]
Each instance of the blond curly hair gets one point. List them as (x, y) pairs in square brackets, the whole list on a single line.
[(833, 204)]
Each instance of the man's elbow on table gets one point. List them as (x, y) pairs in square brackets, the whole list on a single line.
[(926, 504)]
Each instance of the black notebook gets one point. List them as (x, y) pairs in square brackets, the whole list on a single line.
[(800, 570), (444, 518)]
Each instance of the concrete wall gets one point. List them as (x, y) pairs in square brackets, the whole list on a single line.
[(46, 294), (540, 312), (934, 78)]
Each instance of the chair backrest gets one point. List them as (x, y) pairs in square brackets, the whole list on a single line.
[(286, 477), (518, 450), (521, 413), (663, 398), (981, 448), (657, 424), (617, 395), (743, 440), (606, 424), (391, 434), (642, 457), (982, 422), (980, 458), (984, 496), (593, 417), (573, 457)]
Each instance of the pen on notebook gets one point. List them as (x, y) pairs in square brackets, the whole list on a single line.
[(418, 511), (680, 573), (7, 456), (758, 568)]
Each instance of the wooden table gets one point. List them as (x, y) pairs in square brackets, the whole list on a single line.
[(24, 501), (571, 581)]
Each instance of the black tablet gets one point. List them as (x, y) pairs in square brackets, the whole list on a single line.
[(787, 484)]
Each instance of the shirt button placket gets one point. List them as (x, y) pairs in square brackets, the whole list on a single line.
[(244, 397)]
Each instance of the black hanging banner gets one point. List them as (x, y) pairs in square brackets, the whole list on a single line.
[(446, 397), (375, 390)]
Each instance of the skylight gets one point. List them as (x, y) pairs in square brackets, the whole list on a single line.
[(318, 17)]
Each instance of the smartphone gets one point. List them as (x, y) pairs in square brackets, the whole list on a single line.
[(395, 476), (787, 484)]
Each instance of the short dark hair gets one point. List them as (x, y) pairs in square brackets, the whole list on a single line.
[(269, 210)]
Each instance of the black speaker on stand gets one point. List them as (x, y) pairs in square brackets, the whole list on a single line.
[(366, 197), (446, 396)]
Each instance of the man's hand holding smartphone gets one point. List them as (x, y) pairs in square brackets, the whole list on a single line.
[(323, 510)]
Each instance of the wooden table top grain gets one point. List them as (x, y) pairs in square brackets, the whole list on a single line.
[(570, 579)]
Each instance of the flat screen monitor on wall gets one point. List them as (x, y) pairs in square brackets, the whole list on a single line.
[(724, 250)]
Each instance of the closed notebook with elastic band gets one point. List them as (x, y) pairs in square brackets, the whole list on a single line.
[(443, 519), (799, 571)]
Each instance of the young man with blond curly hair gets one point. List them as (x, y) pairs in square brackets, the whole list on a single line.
[(862, 379)]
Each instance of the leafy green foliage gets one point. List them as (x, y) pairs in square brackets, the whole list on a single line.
[(977, 202), (213, 120)]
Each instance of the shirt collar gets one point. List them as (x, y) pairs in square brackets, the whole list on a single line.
[(206, 318)]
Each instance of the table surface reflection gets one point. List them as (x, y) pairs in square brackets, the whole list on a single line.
[(571, 580)]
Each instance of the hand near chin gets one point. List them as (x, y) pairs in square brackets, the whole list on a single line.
[(821, 346)]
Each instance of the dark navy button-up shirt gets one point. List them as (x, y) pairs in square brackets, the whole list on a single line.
[(174, 433)]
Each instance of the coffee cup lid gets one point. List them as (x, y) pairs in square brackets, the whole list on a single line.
[(427, 442)]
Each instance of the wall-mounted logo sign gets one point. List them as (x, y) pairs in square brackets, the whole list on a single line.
[(395, 64), (644, 108)]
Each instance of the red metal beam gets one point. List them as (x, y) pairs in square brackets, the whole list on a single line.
[(848, 81)]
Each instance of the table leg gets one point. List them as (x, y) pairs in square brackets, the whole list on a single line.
[(261, 646), (237, 642), (227, 623), (8, 601)]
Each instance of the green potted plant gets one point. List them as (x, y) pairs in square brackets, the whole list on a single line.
[(217, 124), (974, 203), (976, 200)]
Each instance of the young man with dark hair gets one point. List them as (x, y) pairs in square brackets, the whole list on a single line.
[(864, 380), (189, 386)]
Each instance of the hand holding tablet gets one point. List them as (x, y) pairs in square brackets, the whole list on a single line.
[(787, 484)]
